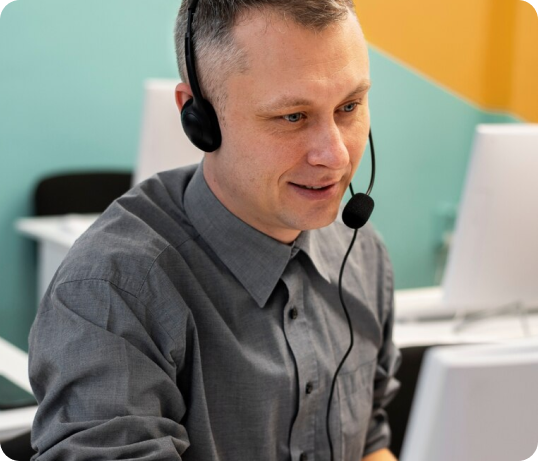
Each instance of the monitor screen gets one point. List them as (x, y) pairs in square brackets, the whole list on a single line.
[(493, 259), (163, 143)]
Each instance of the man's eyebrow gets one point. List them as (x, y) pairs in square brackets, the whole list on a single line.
[(289, 101), (364, 85)]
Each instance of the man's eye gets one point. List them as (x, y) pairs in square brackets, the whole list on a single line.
[(349, 107), (293, 118)]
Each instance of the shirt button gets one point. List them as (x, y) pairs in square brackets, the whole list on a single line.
[(303, 457), (309, 388), (294, 313)]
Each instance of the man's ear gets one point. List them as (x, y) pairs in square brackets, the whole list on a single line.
[(183, 94)]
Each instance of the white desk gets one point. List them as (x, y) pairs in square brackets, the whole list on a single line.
[(421, 319)]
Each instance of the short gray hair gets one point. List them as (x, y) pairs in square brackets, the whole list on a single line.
[(217, 56)]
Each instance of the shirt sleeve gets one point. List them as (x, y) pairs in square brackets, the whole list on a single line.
[(388, 363), (104, 374)]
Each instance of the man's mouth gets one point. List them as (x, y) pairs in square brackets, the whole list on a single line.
[(303, 186), (315, 192)]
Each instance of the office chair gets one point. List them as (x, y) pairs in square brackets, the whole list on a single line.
[(399, 408), (19, 448), (79, 192)]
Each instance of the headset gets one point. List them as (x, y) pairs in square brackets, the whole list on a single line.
[(201, 126), (198, 116)]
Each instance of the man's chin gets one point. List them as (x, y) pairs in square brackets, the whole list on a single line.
[(319, 220)]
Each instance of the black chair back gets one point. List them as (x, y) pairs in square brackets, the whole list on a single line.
[(19, 448), (399, 408), (80, 192)]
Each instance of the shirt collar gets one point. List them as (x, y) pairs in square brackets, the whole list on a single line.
[(255, 259), (311, 243)]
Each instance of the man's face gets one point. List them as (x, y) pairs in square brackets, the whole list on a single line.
[(297, 119)]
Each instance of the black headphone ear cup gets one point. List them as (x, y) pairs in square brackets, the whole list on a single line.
[(201, 125)]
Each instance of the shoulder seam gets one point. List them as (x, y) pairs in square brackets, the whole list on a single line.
[(96, 279), (157, 257), (120, 289), (149, 269)]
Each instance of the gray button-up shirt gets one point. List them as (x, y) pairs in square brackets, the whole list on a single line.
[(175, 331)]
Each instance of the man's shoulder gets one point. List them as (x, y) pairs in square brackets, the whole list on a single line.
[(123, 244)]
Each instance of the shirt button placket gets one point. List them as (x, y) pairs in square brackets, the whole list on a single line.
[(296, 330)]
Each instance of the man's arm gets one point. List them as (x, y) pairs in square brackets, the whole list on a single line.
[(388, 363), (106, 389), (380, 455)]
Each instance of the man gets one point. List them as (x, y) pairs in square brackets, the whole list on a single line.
[(199, 317)]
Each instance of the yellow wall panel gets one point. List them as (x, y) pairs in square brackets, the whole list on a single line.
[(524, 100), (498, 58), (484, 50)]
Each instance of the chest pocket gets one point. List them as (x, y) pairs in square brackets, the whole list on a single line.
[(356, 401)]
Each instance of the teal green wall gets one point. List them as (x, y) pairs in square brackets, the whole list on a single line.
[(71, 95), (422, 136), (71, 77)]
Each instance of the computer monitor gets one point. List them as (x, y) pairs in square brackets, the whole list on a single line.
[(493, 259), (475, 403), (163, 143)]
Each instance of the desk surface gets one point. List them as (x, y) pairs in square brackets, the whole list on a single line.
[(495, 329), (62, 230)]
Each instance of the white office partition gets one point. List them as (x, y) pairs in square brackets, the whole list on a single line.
[(163, 144)]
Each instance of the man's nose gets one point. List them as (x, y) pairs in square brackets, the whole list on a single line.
[(327, 147)]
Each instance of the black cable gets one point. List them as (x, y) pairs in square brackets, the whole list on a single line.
[(350, 333), (372, 156), (372, 178)]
